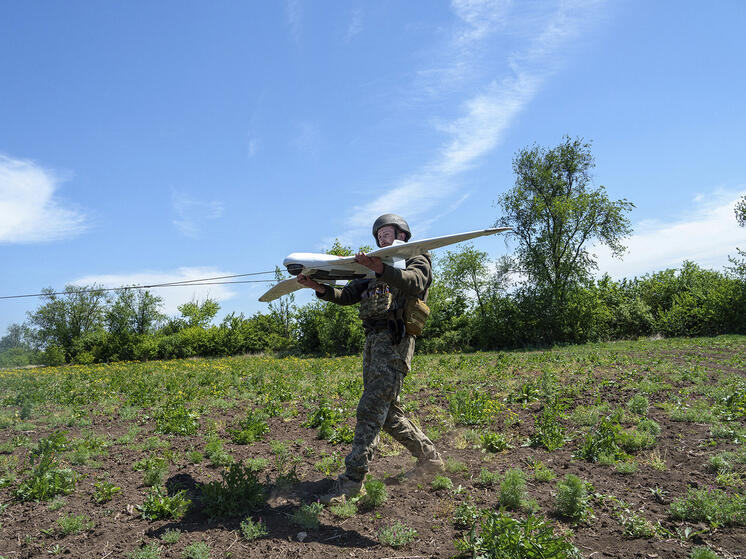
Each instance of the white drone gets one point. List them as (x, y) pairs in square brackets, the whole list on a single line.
[(328, 269)]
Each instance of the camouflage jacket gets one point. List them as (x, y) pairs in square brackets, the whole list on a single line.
[(413, 281)]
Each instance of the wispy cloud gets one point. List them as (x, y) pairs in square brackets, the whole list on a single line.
[(707, 234), (294, 16), (30, 209), (192, 215), (485, 117), (307, 138), (172, 296), (356, 23)]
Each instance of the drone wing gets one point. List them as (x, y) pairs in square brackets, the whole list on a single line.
[(279, 289), (413, 248)]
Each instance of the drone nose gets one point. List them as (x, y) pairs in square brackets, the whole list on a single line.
[(294, 269)]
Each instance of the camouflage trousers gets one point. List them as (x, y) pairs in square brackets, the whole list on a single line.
[(384, 369)]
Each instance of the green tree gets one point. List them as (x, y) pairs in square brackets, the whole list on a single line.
[(741, 211), (739, 262), (65, 319), (555, 213), (199, 314), (466, 271)]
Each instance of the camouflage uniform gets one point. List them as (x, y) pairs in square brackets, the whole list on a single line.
[(384, 367)]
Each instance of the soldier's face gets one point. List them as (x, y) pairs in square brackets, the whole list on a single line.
[(386, 235)]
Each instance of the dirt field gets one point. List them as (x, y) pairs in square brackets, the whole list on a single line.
[(673, 375)]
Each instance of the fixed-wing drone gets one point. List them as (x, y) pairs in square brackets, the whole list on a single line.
[(328, 269)]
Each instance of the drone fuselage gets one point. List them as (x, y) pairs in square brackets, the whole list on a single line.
[(325, 267)]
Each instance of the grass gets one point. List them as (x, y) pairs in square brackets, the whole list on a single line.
[(615, 406)]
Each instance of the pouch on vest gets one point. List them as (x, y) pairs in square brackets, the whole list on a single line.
[(415, 316), (376, 304)]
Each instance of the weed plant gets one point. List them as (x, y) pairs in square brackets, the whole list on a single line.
[(454, 466), (602, 440), (251, 530), (307, 516), (74, 524), (499, 535), (703, 553), (441, 482), (197, 550), (170, 537), (148, 551), (548, 431), (626, 467), (513, 489), (348, 509), (104, 491), (487, 478), (636, 526), (57, 503), (329, 464), (155, 472), (638, 404), (158, 505), (375, 495), (714, 506), (465, 516), (342, 435), (239, 491), (47, 480), (542, 474), (250, 429), (468, 407), (397, 535), (572, 498), (493, 442)]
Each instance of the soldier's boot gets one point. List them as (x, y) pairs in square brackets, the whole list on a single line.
[(426, 469), (343, 489)]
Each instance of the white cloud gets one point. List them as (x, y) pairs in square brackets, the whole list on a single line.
[(706, 236), (484, 118), (30, 210), (172, 296), (192, 215)]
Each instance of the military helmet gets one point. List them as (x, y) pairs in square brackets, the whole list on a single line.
[(397, 221)]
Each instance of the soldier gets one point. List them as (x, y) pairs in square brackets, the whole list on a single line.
[(387, 355)]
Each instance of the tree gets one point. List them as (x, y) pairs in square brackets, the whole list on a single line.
[(554, 214), (64, 319), (741, 211), (466, 270), (199, 314), (17, 337)]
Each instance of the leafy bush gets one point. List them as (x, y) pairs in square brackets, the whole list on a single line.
[(348, 509), (47, 480), (174, 418), (548, 431), (158, 505), (468, 407), (465, 516), (104, 491), (601, 441), (253, 530), (487, 478), (238, 492), (252, 428), (500, 536), (493, 442)]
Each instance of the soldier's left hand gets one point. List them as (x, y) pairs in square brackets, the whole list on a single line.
[(374, 264)]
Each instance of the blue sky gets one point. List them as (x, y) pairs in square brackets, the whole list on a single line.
[(156, 141)]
